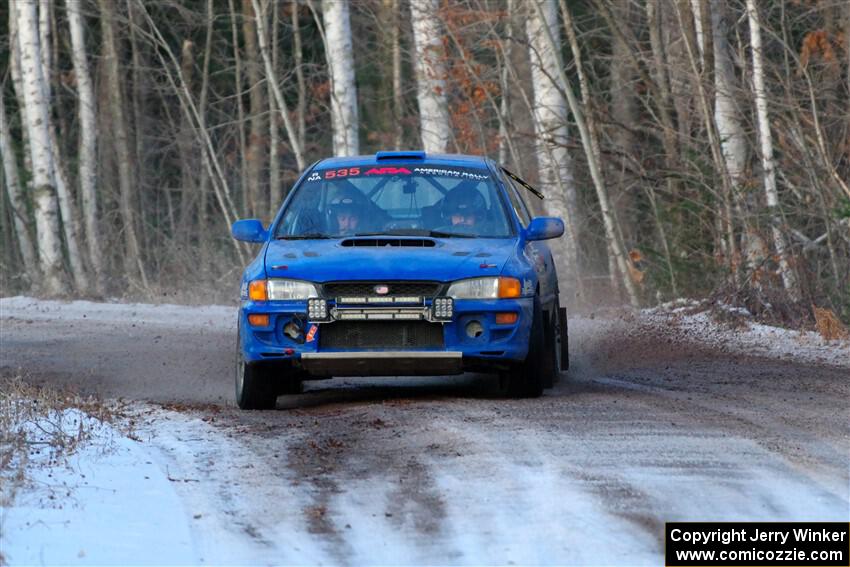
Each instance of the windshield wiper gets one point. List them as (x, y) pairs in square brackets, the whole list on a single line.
[(307, 236)]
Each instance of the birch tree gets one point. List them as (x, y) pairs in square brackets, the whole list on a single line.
[(70, 217), (17, 199), (435, 129), (554, 163), (789, 278), (37, 121), (340, 57), (88, 140)]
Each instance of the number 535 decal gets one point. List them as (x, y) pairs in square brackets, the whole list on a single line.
[(344, 172)]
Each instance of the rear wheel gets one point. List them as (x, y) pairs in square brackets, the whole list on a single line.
[(254, 388), (565, 339), (527, 379)]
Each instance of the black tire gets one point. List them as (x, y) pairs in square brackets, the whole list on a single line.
[(254, 389), (565, 339), (552, 349), (527, 379)]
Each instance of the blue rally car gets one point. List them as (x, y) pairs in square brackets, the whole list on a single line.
[(403, 264)]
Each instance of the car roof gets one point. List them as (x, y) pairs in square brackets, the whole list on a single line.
[(420, 157)]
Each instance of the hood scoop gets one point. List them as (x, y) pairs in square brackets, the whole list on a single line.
[(384, 241)]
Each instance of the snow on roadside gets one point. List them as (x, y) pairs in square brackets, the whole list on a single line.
[(107, 502), (750, 338), (180, 492), (21, 307)]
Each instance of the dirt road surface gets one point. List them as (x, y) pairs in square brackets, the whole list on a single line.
[(646, 428)]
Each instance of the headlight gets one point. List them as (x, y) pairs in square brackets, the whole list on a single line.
[(485, 288), (279, 289), (291, 289)]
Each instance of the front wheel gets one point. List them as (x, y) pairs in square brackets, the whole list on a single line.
[(528, 378), (254, 390)]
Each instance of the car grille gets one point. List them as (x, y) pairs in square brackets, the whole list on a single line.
[(367, 289), (381, 334)]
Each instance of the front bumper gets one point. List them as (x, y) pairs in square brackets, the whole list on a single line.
[(494, 344)]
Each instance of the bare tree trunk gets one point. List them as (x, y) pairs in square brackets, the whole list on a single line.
[(17, 199), (37, 121), (240, 107), (398, 101), (555, 166), (259, 107), (203, 186), (301, 107), (275, 193), (548, 28), (340, 58), (88, 141), (133, 266), (430, 75), (281, 102), (70, 222), (789, 278), (186, 148), (18, 86)]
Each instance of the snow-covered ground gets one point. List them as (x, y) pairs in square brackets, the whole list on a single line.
[(749, 338)]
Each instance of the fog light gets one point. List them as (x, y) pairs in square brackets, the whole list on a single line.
[(258, 320), (317, 309), (474, 329), (506, 318), (443, 308)]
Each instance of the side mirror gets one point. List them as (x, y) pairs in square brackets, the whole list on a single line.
[(544, 228), (250, 230)]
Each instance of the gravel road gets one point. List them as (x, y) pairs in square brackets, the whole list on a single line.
[(646, 428)]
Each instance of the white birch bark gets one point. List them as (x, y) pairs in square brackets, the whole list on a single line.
[(18, 86), (554, 163), (37, 120), (88, 140), (70, 218), (340, 57), (17, 198), (733, 141), (435, 129), (789, 278)]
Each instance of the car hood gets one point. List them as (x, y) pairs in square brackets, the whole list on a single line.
[(328, 260)]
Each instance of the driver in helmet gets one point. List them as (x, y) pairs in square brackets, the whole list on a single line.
[(464, 205), (347, 212)]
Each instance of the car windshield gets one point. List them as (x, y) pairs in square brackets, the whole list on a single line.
[(401, 200)]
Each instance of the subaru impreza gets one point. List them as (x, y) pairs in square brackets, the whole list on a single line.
[(400, 264)]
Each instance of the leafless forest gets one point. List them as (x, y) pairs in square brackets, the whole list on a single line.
[(694, 147)]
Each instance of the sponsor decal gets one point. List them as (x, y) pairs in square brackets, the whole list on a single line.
[(388, 171), (243, 291), (527, 287), (458, 173), (311, 334), (314, 176)]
